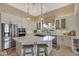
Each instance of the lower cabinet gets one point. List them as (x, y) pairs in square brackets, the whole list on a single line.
[(64, 41)]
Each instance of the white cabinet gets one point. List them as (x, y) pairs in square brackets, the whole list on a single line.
[(67, 41), (64, 40), (59, 41)]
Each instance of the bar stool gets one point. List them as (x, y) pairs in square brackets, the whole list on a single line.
[(25, 51), (40, 47)]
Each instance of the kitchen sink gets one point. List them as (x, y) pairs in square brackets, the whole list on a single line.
[(40, 35)]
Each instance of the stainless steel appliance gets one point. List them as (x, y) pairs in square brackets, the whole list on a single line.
[(21, 32), (6, 39), (8, 32)]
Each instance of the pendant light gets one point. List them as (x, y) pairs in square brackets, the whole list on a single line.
[(28, 16), (41, 11), (41, 17)]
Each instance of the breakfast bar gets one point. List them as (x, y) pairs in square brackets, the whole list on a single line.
[(31, 39)]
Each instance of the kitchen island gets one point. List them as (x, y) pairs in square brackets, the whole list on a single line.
[(31, 39)]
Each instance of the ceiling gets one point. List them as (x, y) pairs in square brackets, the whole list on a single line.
[(35, 9)]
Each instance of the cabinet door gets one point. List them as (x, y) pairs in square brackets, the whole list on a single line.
[(59, 40), (57, 24), (64, 41), (38, 26), (67, 41), (63, 23)]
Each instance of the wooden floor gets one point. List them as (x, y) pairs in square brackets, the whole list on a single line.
[(9, 52), (62, 51)]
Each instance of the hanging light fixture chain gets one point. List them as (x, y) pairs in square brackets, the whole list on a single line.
[(28, 8), (41, 9)]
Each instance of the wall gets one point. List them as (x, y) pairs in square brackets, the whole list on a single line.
[(77, 19), (70, 23), (0, 30), (13, 15), (66, 12), (20, 21)]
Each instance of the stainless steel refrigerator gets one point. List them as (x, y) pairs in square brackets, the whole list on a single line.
[(8, 32)]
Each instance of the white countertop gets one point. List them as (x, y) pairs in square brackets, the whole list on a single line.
[(30, 39)]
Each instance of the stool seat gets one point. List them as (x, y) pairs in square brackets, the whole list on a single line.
[(27, 46), (40, 47), (30, 48)]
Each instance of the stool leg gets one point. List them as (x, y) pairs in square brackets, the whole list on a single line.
[(32, 52), (46, 52), (23, 52), (37, 51)]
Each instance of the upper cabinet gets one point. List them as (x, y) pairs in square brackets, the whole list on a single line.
[(57, 24), (63, 23), (66, 23)]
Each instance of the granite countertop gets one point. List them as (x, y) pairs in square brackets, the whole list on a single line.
[(30, 39)]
